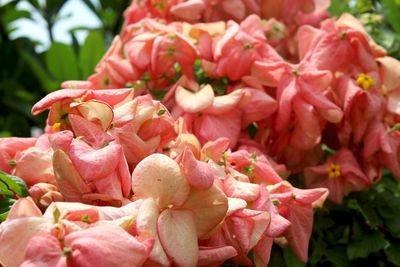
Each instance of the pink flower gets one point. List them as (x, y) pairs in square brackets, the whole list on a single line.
[(173, 213), (209, 117), (9, 147), (240, 46), (341, 174), (296, 205), (361, 100), (303, 102), (142, 126), (85, 173), (105, 245), (34, 166)]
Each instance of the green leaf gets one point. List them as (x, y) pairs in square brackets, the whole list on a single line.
[(339, 7), (291, 259), (91, 52), (392, 253), (338, 257), (40, 72), (5, 206), (62, 63), (369, 243), (393, 11), (14, 183), (389, 209)]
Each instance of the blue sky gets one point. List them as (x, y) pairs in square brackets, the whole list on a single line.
[(76, 13)]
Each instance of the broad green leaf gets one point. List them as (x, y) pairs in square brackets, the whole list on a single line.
[(291, 259), (4, 190), (40, 72), (91, 52), (370, 243), (393, 11), (14, 183), (62, 63)]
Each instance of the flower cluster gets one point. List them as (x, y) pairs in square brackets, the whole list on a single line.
[(180, 147)]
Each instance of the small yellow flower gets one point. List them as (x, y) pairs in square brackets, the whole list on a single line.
[(333, 170), (365, 81), (56, 126)]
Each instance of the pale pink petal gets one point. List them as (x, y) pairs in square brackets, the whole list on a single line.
[(235, 204), (146, 224), (106, 245), (24, 207), (194, 101), (97, 111), (15, 235), (34, 166), (160, 178), (208, 207), (225, 103), (177, 232), (243, 190)]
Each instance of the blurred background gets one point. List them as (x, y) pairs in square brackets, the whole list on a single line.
[(45, 42)]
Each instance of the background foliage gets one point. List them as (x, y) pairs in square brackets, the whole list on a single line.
[(364, 231), (27, 75)]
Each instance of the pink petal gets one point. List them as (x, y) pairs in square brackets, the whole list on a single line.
[(177, 232), (44, 250), (56, 96), (188, 11), (91, 132), (299, 233), (92, 247), (211, 127), (215, 149), (198, 173), (94, 164), (215, 255)]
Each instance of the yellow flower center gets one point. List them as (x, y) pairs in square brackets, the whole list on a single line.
[(56, 126), (365, 81), (333, 170)]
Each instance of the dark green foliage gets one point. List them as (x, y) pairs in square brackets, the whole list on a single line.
[(11, 187)]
